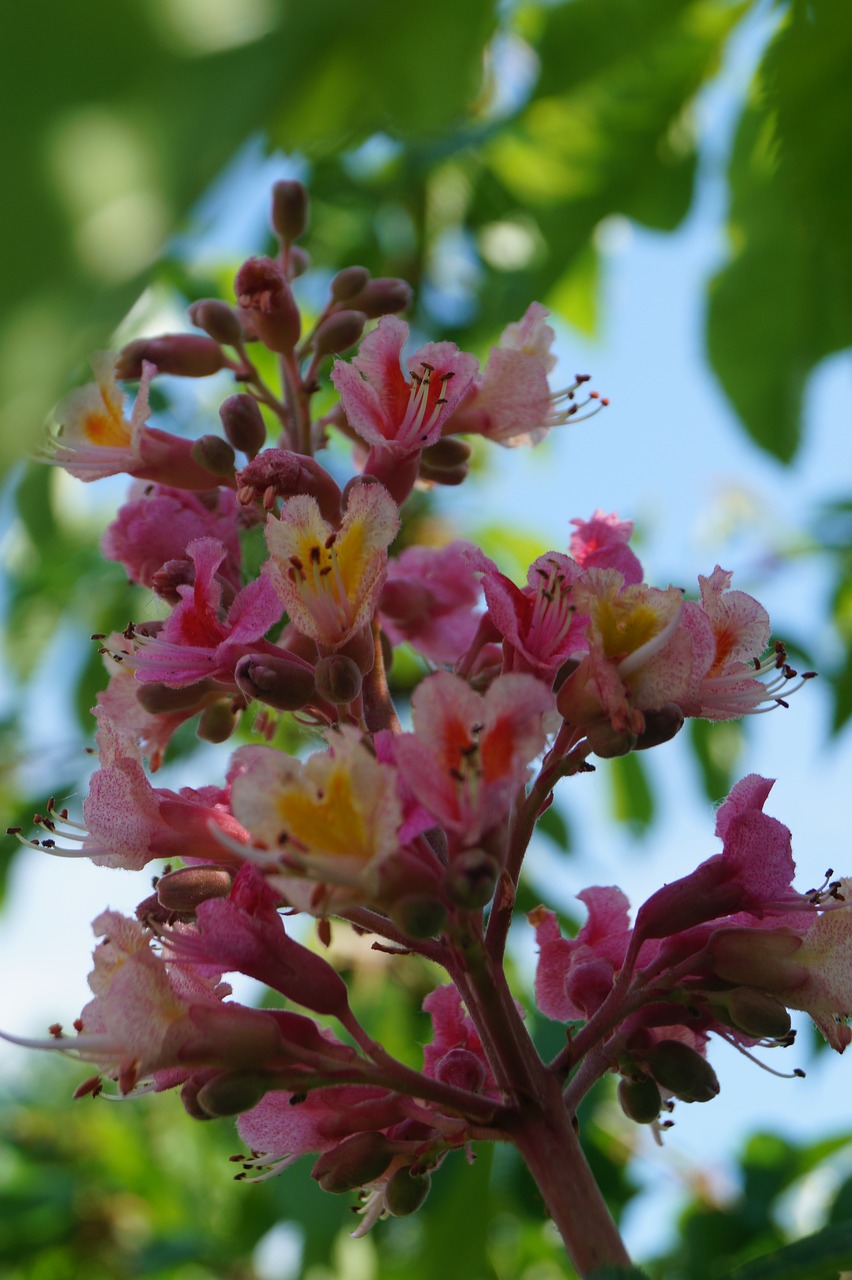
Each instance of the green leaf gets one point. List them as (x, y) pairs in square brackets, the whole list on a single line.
[(785, 299), (554, 825), (632, 798), (819, 1257), (716, 747), (618, 1273)]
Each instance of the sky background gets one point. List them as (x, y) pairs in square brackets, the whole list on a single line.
[(670, 455)]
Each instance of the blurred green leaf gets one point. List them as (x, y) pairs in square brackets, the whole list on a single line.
[(819, 1257), (632, 798), (785, 299), (554, 825), (716, 747)]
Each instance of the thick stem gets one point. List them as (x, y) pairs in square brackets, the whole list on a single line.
[(552, 1151)]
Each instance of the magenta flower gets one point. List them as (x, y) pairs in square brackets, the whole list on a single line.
[(601, 543), (158, 523), (199, 640), (540, 623), (574, 975), (399, 417), (429, 599)]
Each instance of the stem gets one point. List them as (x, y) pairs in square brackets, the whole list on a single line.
[(552, 1151)]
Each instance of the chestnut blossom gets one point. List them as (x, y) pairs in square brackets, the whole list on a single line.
[(329, 579), (429, 599), (540, 623), (158, 523), (93, 439), (470, 752)]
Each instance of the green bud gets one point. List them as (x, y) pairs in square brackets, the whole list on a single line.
[(419, 915), (338, 679), (683, 1071), (471, 878), (640, 1099), (214, 454), (355, 1161), (232, 1092), (406, 1192), (755, 1012), (217, 721)]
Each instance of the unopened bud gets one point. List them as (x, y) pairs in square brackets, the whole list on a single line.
[(218, 721), (159, 699), (607, 742), (660, 726), (471, 878), (353, 1163), (189, 1095), (214, 454), (446, 461), (183, 890), (640, 1099), (461, 1068), (285, 683), (265, 296), (682, 1071), (406, 1192), (752, 1011), (338, 679), (243, 423), (340, 331), (381, 297), (299, 263), (418, 915), (348, 282), (757, 957), (218, 320), (232, 1092), (185, 354), (289, 209), (170, 576)]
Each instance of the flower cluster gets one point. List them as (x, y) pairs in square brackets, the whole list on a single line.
[(416, 832)]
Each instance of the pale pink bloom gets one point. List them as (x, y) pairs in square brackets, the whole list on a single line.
[(158, 523), (93, 439), (730, 633), (540, 623), (330, 819), (601, 543), (149, 1016), (511, 401), (127, 822), (430, 599), (200, 640), (330, 579), (455, 1054), (470, 752)]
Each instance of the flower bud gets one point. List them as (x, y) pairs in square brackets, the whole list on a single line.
[(159, 698), (340, 331), (640, 1099), (381, 297), (218, 721), (214, 454), (354, 1162), (243, 423), (607, 742), (445, 461), (419, 915), (299, 263), (682, 1071), (757, 957), (170, 576), (406, 1192), (660, 726), (338, 679), (184, 889), (265, 296), (471, 878), (189, 1095), (461, 1068), (185, 354), (285, 683), (349, 282), (218, 320), (231, 1092), (754, 1012), (289, 210)]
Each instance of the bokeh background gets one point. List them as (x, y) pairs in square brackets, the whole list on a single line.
[(673, 180)]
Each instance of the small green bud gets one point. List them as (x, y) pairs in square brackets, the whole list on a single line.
[(355, 1161), (214, 454), (683, 1071), (406, 1192), (232, 1092), (640, 1099), (418, 915), (289, 210), (217, 722), (338, 679), (471, 878)]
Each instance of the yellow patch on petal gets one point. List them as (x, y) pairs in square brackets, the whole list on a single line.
[(107, 430), (624, 626), (327, 821)]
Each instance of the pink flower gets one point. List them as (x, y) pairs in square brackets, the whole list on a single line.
[(158, 523), (540, 623), (455, 1053), (93, 439), (429, 598), (149, 1016), (399, 418), (469, 752), (574, 975), (511, 401), (329, 579), (330, 819), (199, 640), (601, 543)]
